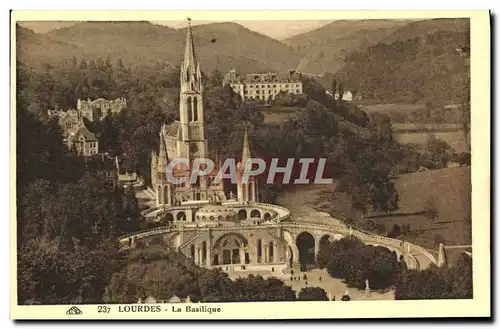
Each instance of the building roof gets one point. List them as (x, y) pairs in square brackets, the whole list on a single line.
[(174, 299), (290, 76), (172, 129), (87, 134)]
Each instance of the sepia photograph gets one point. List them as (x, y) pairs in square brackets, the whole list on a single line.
[(187, 163)]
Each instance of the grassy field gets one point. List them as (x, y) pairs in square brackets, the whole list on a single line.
[(454, 139), (383, 108), (419, 127), (450, 188)]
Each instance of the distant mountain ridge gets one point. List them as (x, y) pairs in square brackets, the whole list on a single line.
[(219, 45), (323, 50)]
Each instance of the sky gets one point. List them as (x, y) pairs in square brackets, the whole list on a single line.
[(275, 29)]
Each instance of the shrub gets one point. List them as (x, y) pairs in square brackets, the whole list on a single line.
[(313, 293)]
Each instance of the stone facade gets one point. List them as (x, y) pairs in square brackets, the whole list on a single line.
[(263, 86), (100, 108), (83, 142)]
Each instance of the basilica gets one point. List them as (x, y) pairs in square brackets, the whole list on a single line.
[(203, 222), (235, 233)]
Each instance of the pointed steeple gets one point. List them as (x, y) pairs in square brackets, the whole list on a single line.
[(190, 68), (189, 54), (162, 154), (163, 148), (246, 148)]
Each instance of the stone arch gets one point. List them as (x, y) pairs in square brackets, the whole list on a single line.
[(169, 217), (306, 244), (181, 216), (189, 109), (160, 194), (165, 194), (230, 249), (242, 214), (255, 213), (195, 108), (267, 215), (192, 252), (270, 251), (204, 253)]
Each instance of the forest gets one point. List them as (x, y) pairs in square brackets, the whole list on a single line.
[(430, 68)]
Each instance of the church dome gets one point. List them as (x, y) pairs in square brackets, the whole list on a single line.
[(215, 212)]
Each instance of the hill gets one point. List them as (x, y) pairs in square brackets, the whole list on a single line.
[(427, 68), (420, 28), (324, 49), (34, 48), (235, 41), (223, 45)]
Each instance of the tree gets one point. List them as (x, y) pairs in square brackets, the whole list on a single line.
[(454, 282), (83, 64), (334, 87), (74, 62), (121, 66), (313, 293), (355, 262)]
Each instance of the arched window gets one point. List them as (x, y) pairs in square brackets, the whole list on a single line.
[(259, 251), (189, 109), (191, 252), (195, 109)]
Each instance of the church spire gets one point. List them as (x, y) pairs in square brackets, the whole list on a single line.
[(189, 54), (246, 149), (162, 154), (163, 148), (190, 70)]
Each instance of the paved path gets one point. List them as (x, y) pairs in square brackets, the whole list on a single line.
[(333, 287)]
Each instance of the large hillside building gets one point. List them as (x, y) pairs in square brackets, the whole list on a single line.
[(264, 86), (100, 108)]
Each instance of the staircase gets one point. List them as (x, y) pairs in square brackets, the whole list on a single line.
[(185, 244)]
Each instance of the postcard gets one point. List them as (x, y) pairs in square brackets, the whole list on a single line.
[(250, 164)]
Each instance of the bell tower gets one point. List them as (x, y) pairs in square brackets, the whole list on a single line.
[(192, 139)]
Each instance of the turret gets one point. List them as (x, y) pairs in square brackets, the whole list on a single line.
[(246, 191)]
